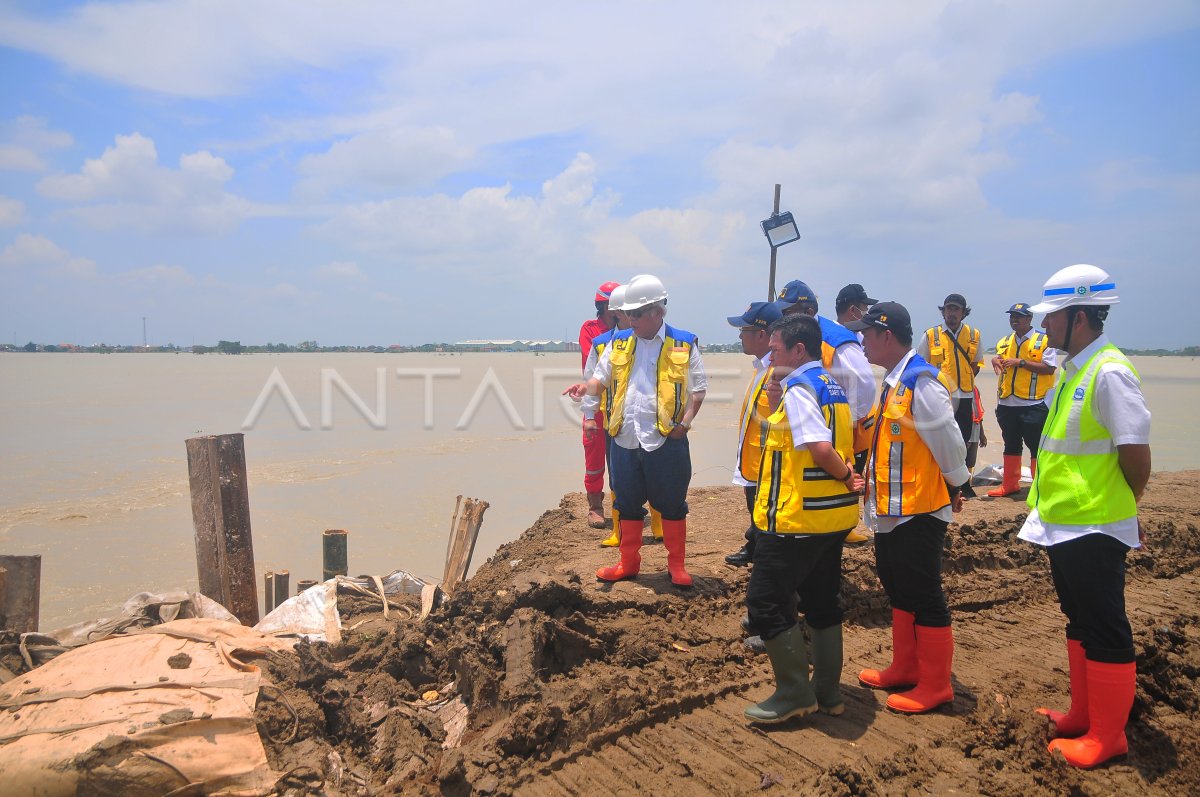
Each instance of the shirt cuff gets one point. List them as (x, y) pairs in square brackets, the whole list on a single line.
[(957, 476)]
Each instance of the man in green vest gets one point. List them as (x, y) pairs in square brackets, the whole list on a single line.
[(1093, 463)]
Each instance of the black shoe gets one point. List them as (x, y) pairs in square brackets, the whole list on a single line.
[(741, 557), (968, 491)]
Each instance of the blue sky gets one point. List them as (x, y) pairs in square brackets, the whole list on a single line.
[(401, 173)]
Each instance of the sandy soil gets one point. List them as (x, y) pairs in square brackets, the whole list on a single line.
[(577, 687)]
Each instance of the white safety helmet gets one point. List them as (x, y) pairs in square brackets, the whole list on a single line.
[(642, 290), (1079, 285), (616, 297)]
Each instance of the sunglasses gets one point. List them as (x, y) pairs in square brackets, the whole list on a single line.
[(638, 313)]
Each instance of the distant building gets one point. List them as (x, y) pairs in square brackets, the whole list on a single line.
[(517, 345)]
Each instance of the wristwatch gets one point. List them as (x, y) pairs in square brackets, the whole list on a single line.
[(685, 425), (1021, 363)]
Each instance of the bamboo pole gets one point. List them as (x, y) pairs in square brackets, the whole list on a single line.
[(334, 545), (464, 532), (221, 517), (305, 584), (21, 597)]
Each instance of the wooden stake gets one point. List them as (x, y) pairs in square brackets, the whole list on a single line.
[(464, 531), (21, 592), (268, 592), (281, 586), (221, 517), (304, 584)]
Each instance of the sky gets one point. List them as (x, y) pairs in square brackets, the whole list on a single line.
[(391, 172)]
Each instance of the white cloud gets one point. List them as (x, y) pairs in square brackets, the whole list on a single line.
[(39, 253), (12, 211), (1117, 178), (129, 188), (24, 141), (339, 270), (391, 159), (158, 276)]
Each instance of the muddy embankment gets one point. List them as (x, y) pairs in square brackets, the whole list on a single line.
[(578, 687)]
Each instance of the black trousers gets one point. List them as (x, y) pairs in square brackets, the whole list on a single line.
[(795, 571), (909, 561), (751, 530), (1021, 425), (1089, 577), (964, 416)]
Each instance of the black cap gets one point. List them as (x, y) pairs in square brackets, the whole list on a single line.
[(955, 298), (1020, 308), (884, 315), (854, 294)]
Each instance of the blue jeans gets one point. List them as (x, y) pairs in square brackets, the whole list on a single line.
[(660, 476)]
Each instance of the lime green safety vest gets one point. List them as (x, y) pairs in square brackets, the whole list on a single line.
[(1079, 479)]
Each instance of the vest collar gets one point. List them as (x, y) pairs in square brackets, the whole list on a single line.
[(893, 377), (1073, 364), (763, 363)]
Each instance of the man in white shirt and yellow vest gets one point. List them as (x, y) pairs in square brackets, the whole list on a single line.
[(806, 503), (1024, 364), (953, 347), (842, 356), (755, 336), (657, 384), (914, 476), (595, 409), (1093, 464)]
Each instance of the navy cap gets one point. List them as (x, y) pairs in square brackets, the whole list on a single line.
[(1020, 308), (854, 294), (884, 315), (795, 292), (955, 298), (759, 314)]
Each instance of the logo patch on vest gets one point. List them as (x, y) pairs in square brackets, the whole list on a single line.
[(1078, 394), (895, 428)]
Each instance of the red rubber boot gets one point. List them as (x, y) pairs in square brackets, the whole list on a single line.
[(1075, 721), (903, 669), (631, 558)]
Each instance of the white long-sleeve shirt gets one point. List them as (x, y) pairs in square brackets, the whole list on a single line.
[(850, 369), (933, 417)]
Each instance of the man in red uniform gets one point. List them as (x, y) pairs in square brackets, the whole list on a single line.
[(593, 445)]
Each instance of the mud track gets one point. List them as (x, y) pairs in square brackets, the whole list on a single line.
[(578, 687)]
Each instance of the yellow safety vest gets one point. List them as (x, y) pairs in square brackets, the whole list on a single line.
[(1021, 382), (907, 478), (672, 394), (957, 371), (756, 410), (794, 495), (599, 343)]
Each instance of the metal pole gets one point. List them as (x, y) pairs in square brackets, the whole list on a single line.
[(20, 600), (221, 517), (281, 586), (771, 285), (333, 547)]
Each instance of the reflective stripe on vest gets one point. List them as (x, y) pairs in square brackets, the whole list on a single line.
[(1079, 479), (955, 375), (795, 496), (756, 409), (907, 478), (671, 387), (1021, 382)]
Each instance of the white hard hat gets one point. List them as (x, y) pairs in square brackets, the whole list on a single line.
[(616, 297), (1079, 285), (642, 290)]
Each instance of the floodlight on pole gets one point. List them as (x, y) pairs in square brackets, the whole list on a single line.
[(780, 229)]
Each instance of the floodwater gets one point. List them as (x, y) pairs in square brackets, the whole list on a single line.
[(94, 468)]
